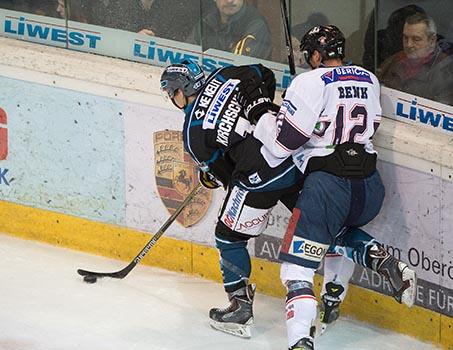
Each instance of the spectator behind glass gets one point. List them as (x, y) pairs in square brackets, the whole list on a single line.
[(43, 8), (170, 19), (390, 39), (421, 68), (235, 27), (16, 5), (76, 11), (298, 31), (119, 14)]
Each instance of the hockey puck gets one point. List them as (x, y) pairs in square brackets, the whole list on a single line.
[(90, 279)]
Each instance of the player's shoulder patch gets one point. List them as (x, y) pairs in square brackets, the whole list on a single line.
[(352, 73)]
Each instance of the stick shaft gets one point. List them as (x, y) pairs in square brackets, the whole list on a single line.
[(125, 271)]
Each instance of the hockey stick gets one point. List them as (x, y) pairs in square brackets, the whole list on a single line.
[(123, 273), (289, 45)]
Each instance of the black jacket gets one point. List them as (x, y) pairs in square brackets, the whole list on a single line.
[(246, 33)]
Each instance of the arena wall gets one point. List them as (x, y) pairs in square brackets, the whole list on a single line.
[(91, 159)]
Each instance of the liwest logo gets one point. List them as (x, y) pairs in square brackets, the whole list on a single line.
[(21, 27), (426, 115), (3, 145), (219, 101), (163, 55)]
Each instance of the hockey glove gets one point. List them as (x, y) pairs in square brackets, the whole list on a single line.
[(254, 98), (208, 180)]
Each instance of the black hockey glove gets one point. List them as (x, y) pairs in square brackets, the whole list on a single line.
[(208, 180), (253, 96)]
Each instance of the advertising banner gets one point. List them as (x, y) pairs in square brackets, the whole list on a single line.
[(417, 110), (61, 150), (160, 174), (122, 44)]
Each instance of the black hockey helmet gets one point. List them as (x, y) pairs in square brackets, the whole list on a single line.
[(328, 40), (186, 76)]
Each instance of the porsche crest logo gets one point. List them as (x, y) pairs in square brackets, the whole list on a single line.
[(176, 175)]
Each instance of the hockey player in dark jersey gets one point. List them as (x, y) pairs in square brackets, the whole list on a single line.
[(217, 135)]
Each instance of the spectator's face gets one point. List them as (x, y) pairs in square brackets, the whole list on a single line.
[(416, 42), (229, 7), (299, 59), (60, 8)]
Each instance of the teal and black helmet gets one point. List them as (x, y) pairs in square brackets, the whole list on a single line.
[(186, 76)]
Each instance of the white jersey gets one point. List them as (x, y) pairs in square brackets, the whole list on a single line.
[(322, 108)]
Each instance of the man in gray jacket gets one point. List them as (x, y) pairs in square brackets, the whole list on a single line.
[(423, 68)]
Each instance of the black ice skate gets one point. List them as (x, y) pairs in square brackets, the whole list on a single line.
[(306, 343), (237, 318), (303, 344), (330, 305), (402, 279)]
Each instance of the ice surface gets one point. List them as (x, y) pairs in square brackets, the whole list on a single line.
[(45, 305)]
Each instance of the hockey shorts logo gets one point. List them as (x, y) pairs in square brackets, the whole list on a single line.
[(254, 178), (233, 208), (306, 249)]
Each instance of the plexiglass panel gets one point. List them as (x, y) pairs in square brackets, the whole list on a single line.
[(351, 16), (217, 33)]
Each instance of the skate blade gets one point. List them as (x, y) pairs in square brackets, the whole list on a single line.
[(408, 296), (239, 330), (322, 327)]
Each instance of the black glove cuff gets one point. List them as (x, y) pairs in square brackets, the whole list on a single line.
[(258, 110)]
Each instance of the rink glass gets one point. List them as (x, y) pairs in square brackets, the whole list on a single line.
[(149, 31)]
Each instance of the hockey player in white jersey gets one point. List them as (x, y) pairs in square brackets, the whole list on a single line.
[(326, 124)]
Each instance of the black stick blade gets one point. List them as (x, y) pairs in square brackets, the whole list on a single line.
[(84, 273)]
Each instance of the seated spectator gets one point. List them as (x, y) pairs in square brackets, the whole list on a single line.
[(44, 8), (16, 5), (170, 19), (119, 14), (235, 27), (315, 19), (422, 68), (298, 31), (116, 14), (390, 39), (76, 11)]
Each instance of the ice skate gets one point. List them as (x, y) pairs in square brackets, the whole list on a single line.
[(402, 279), (306, 343), (303, 344), (330, 306), (237, 318)]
